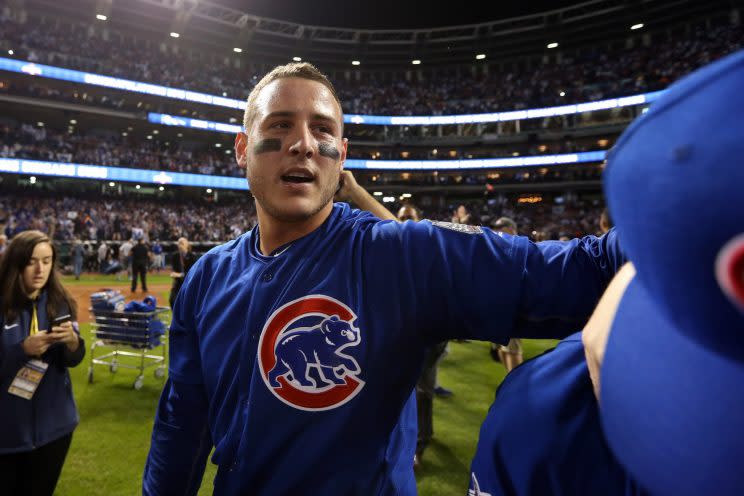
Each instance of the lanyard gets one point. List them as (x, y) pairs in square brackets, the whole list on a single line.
[(34, 321)]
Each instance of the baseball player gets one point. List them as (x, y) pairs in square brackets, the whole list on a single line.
[(667, 332), (290, 352)]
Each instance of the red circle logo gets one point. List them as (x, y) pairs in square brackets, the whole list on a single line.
[(730, 270), (303, 357)]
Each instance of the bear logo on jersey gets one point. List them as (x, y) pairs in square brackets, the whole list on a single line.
[(303, 354)]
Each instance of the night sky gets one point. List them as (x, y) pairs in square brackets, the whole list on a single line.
[(391, 14)]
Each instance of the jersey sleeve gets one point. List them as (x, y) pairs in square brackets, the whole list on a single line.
[(183, 339), (180, 443), (471, 282)]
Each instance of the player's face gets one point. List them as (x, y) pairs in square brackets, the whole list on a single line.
[(294, 152), (407, 212), (183, 245), (36, 273)]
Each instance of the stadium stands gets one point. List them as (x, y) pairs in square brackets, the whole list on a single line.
[(587, 76)]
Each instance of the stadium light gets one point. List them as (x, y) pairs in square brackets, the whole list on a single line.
[(125, 133), (11, 52), (149, 136), (636, 26), (209, 191), (73, 121), (112, 184), (405, 195), (32, 179), (416, 62), (174, 34), (562, 93), (238, 50), (40, 124), (377, 193), (480, 56), (101, 17), (297, 59), (162, 188), (355, 62), (553, 45), (137, 187), (218, 145)]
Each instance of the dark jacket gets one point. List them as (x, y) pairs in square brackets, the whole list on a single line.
[(51, 413), (140, 255), (181, 264)]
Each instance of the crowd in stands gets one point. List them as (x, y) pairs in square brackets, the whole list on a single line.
[(486, 179), (545, 219), (112, 149), (68, 218), (592, 75)]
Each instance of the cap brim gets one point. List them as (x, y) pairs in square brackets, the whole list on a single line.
[(672, 411)]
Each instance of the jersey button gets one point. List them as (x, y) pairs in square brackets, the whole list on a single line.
[(267, 277)]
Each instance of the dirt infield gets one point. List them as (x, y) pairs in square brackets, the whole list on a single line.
[(82, 292)]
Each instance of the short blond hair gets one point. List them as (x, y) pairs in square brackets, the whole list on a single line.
[(295, 69)]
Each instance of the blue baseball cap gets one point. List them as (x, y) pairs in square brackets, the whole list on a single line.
[(672, 392)]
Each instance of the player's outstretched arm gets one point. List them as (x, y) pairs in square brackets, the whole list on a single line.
[(471, 282), (350, 191), (563, 281), (180, 442)]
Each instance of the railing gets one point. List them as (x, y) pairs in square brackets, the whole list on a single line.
[(146, 176)]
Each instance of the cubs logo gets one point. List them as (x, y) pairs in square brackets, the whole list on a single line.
[(302, 357)]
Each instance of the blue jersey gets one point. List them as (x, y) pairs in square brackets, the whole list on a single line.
[(543, 435), (297, 367)]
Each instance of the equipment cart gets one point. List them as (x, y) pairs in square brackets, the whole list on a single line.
[(133, 335)]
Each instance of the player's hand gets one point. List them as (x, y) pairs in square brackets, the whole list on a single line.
[(597, 330), (37, 344), (64, 333), (348, 186)]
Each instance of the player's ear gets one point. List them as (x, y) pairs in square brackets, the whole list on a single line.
[(241, 149), (344, 149)]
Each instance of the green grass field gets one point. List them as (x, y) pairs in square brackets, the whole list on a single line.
[(110, 445)]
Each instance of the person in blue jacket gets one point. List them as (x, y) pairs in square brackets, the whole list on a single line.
[(647, 399), (295, 348), (39, 340)]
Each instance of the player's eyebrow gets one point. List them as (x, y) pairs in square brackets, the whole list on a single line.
[(280, 113), (316, 116), (322, 117)]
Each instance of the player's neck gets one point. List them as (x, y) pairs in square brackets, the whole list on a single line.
[(277, 232)]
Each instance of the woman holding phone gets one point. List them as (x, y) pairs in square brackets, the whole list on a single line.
[(38, 342)]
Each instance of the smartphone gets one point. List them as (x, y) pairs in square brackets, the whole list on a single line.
[(61, 320)]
